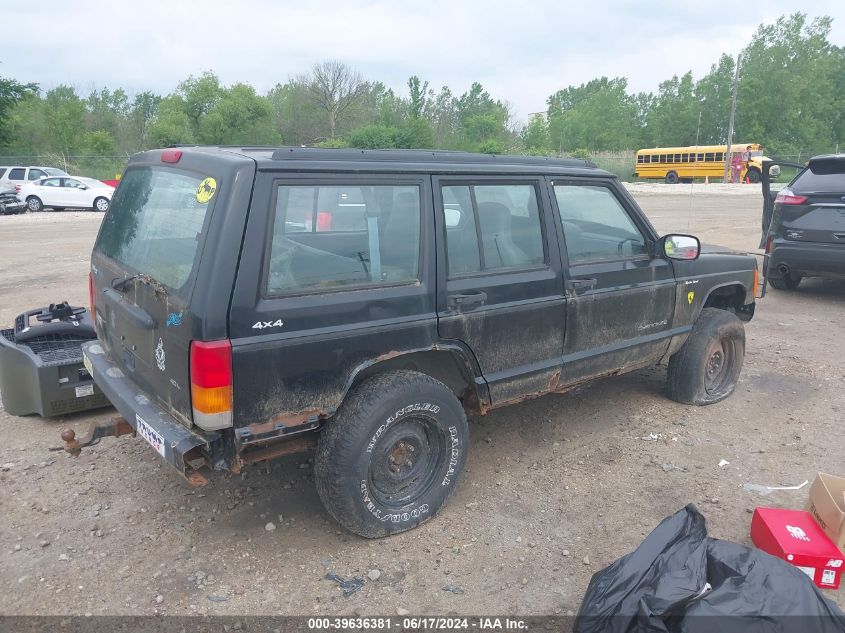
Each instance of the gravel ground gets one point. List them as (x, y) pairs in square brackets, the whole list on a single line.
[(554, 489)]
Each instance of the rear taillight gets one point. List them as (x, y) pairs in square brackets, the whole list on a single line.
[(756, 282), (91, 292), (17, 188), (769, 244), (786, 196), (211, 384)]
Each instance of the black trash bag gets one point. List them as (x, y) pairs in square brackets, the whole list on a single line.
[(679, 580)]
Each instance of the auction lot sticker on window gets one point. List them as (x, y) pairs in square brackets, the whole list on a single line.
[(150, 434)]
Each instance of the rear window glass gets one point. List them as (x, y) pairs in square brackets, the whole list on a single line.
[(822, 177), (155, 224)]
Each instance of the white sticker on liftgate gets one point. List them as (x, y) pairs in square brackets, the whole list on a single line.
[(150, 434)]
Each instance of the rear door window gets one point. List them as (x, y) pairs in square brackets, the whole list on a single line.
[(155, 224), (330, 237), (503, 218)]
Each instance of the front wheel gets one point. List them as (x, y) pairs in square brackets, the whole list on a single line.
[(753, 176), (392, 455), (706, 368), (101, 204), (34, 204)]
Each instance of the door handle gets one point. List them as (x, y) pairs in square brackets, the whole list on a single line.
[(581, 284), (471, 300)]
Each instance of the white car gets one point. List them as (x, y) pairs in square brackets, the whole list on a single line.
[(16, 176), (60, 193)]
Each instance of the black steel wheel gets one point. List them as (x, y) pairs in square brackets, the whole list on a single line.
[(706, 368), (392, 455)]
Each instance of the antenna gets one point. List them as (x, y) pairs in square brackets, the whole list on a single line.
[(695, 166)]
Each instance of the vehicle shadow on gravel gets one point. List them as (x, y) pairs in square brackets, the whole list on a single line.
[(826, 289)]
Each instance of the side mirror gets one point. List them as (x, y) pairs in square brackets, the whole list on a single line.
[(683, 247)]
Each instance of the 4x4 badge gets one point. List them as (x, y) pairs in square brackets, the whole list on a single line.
[(160, 354)]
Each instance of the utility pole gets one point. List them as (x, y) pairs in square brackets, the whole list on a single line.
[(731, 123)]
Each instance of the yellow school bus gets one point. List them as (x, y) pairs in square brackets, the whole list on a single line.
[(682, 164)]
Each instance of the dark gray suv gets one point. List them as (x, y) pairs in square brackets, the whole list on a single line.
[(807, 237)]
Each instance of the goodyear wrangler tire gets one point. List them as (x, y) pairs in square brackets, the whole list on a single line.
[(706, 368), (392, 455)]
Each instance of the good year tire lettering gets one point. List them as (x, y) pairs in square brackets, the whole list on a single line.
[(400, 517)]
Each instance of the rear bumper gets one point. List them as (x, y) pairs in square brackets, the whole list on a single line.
[(182, 448), (807, 258)]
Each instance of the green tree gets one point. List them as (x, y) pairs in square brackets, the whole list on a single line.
[(11, 93), (143, 112), (673, 117), (199, 94), (535, 135), (598, 115), (239, 117), (99, 143), (64, 116), (790, 86), (480, 119), (295, 115), (171, 125), (713, 92), (418, 97)]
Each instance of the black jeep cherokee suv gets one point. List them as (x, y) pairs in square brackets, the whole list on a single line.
[(807, 236), (250, 301)]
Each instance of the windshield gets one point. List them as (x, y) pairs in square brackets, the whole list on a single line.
[(155, 223)]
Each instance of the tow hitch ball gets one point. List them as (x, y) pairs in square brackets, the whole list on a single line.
[(113, 428)]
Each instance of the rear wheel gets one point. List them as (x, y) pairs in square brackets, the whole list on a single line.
[(707, 367), (672, 178), (753, 176), (101, 204), (392, 455), (33, 203), (784, 282)]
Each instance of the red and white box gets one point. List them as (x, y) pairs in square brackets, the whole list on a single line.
[(795, 537)]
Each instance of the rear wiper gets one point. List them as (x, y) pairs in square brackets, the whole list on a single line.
[(118, 284)]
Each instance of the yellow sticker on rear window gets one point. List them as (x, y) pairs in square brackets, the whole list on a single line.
[(205, 191)]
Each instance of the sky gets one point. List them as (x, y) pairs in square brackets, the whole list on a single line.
[(521, 52)]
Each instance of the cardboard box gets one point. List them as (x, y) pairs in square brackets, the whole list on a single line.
[(794, 536), (827, 505)]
